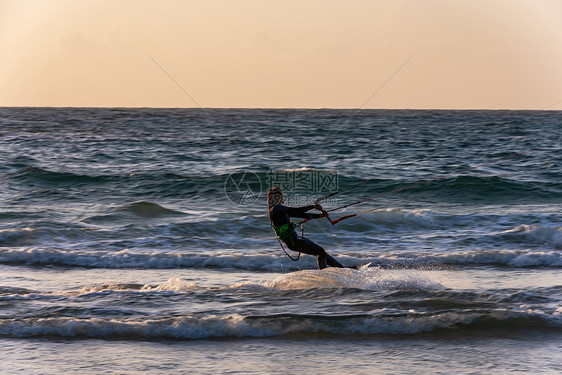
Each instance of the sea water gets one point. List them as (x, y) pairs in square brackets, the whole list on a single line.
[(138, 241)]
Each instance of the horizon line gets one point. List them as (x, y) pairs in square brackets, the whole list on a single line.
[(280, 108)]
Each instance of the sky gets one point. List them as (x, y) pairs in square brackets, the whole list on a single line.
[(426, 54)]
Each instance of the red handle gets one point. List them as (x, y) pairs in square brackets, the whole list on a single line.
[(334, 222)]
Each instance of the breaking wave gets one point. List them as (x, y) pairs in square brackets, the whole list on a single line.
[(281, 325), (365, 278), (271, 260), (538, 234)]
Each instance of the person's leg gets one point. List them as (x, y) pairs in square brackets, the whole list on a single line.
[(304, 245), (322, 261), (332, 262)]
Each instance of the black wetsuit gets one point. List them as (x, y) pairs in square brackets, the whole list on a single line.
[(280, 215)]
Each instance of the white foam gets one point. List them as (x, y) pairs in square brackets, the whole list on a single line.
[(270, 260), (367, 279), (173, 284), (512, 258), (142, 260), (539, 234), (303, 169), (232, 325), (235, 325), (190, 327), (423, 218)]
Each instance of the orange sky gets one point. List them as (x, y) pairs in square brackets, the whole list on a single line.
[(495, 54)]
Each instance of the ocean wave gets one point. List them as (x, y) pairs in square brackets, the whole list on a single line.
[(492, 187), (466, 188), (392, 217), (211, 185), (457, 188), (149, 225), (114, 181), (150, 210), (538, 234), (271, 260), (192, 327), (142, 209), (56, 177), (365, 278), (173, 284), (55, 232), (416, 289), (502, 258), (7, 290), (307, 169), (138, 260)]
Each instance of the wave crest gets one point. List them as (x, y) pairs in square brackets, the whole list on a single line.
[(539, 234), (271, 260), (365, 278), (235, 325)]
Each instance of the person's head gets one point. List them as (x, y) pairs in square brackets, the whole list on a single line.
[(275, 196)]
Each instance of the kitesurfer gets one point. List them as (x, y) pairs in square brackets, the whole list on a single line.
[(280, 222)]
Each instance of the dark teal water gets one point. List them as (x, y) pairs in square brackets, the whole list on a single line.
[(147, 230)]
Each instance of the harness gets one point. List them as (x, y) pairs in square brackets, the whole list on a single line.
[(285, 232)]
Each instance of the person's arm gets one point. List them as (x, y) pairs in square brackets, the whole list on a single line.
[(302, 212)]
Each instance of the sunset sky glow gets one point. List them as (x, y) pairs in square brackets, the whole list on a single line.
[(498, 54)]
